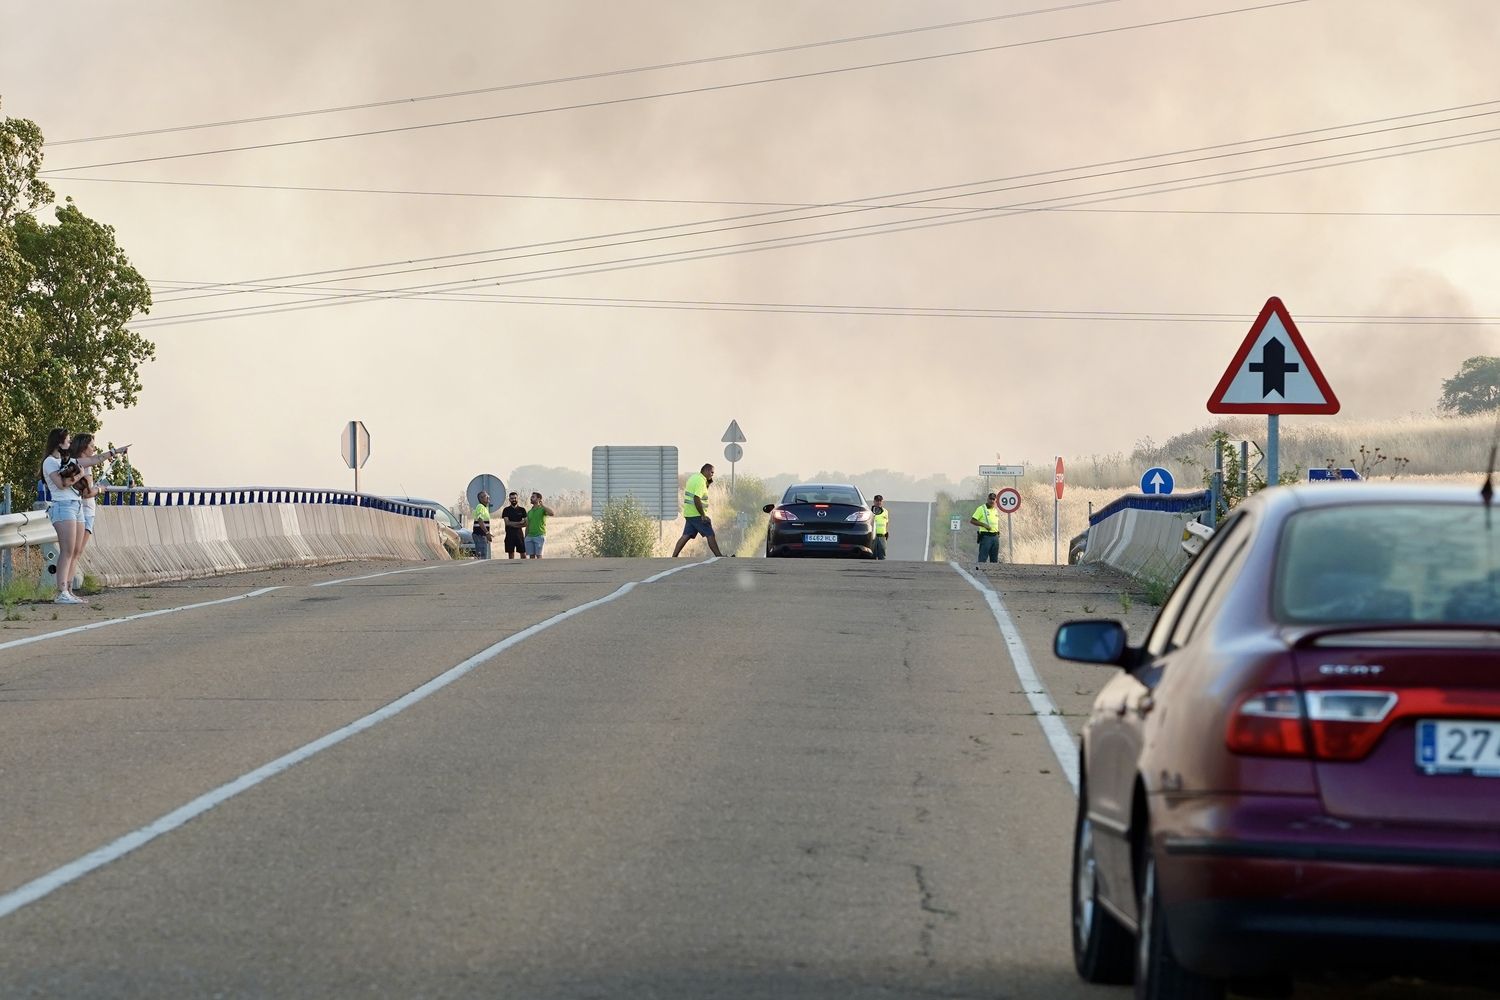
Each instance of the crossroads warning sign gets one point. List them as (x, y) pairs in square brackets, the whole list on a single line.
[(1273, 371)]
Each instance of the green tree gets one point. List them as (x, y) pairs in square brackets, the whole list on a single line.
[(1475, 389), (67, 295)]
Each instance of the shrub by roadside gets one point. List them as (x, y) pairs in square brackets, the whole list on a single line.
[(623, 531)]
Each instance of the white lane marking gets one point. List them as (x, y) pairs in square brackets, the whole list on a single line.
[(60, 633), (1047, 714), (392, 572), (37, 888), (927, 544), (132, 618)]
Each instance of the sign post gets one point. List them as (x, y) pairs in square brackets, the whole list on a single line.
[(1273, 373), (1057, 494), (1009, 501), (355, 444), (733, 437)]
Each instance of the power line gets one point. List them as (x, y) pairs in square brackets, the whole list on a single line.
[(788, 205), (847, 208), (671, 93), (1129, 191), (938, 312), (583, 77)]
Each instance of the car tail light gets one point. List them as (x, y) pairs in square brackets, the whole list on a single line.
[(783, 515), (1268, 723), (859, 515), (1347, 724), (1329, 725)]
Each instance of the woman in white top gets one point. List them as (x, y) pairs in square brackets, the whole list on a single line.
[(83, 452), (62, 474)]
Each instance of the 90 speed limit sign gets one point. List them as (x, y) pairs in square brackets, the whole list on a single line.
[(1008, 500)]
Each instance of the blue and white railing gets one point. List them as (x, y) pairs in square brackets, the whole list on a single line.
[(218, 496)]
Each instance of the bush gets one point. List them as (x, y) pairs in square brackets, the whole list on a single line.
[(624, 531)]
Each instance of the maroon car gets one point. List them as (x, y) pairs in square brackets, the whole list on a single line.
[(1298, 772)]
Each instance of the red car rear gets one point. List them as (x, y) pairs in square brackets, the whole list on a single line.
[(1298, 772)]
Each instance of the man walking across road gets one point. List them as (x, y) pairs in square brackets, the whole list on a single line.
[(536, 526), (513, 516), (695, 511), (882, 525), (987, 520)]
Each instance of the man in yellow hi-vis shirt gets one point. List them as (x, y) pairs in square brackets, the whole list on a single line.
[(987, 520), (882, 525), (695, 511)]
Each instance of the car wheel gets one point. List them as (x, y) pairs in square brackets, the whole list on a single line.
[(1157, 974), (1102, 946)]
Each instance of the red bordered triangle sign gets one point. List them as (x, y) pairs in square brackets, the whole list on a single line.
[(1273, 371)]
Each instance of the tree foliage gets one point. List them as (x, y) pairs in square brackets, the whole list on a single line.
[(1474, 389), (624, 530), (67, 296)]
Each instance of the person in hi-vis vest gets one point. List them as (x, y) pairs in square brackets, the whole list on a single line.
[(882, 525), (695, 520), (987, 520)]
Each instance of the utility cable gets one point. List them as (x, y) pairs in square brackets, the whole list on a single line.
[(713, 88), (581, 77), (644, 236), (1130, 191)]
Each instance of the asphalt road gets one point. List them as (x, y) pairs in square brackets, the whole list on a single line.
[(911, 538), (746, 779)]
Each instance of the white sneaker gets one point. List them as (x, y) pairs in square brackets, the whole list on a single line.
[(66, 598)]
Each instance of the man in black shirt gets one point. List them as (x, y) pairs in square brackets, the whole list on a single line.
[(514, 518)]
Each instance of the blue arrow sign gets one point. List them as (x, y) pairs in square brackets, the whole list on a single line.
[(1324, 475), (1156, 482)]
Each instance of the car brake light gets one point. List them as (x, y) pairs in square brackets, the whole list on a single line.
[(859, 515), (1346, 725), (1269, 724), (783, 515), (1329, 725)]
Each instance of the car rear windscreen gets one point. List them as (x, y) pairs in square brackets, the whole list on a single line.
[(823, 494), (1407, 562)]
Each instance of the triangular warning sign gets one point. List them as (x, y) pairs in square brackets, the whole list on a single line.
[(1273, 371), (733, 434)]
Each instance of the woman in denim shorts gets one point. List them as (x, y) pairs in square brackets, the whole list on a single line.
[(66, 511)]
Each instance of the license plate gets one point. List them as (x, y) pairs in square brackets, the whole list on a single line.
[(820, 538), (1451, 747)]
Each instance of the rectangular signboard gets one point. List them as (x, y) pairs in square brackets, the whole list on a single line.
[(646, 472), (1002, 470)]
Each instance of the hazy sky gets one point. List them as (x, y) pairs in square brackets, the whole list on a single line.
[(452, 388)]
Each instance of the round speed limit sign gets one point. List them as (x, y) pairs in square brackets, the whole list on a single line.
[(1008, 500)]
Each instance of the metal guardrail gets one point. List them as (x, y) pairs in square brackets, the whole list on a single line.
[(202, 496), (29, 527)]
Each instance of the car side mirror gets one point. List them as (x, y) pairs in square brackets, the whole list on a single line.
[(768, 508), (1095, 641)]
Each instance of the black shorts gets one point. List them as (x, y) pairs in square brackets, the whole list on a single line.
[(515, 541)]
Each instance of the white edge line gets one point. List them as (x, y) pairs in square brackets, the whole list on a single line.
[(927, 543), (1053, 727), (60, 633), (132, 618), (42, 886)]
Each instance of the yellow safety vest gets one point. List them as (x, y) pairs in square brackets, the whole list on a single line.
[(882, 522), (990, 516), (697, 486)]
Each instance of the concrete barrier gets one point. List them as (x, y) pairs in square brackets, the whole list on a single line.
[(1142, 535), (138, 545)]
